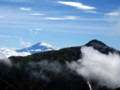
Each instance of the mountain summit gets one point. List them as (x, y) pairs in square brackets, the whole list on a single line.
[(39, 47), (96, 43), (100, 46)]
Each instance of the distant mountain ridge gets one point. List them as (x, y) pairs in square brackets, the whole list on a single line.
[(69, 54), (39, 47)]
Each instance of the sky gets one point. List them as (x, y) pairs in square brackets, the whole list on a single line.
[(61, 23)]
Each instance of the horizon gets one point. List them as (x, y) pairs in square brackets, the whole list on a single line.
[(60, 23)]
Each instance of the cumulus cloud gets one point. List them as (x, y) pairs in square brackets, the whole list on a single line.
[(25, 9), (77, 5), (62, 18), (36, 14), (105, 69)]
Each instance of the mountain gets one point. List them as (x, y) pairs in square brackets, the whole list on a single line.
[(68, 54), (49, 70), (100, 46), (39, 47)]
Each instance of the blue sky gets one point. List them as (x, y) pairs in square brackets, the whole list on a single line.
[(61, 23)]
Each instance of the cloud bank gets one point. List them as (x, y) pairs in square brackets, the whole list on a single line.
[(105, 69), (6, 52)]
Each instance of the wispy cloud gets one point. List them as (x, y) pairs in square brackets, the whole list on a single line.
[(7, 36), (38, 29), (113, 13), (114, 19), (24, 44), (74, 18), (77, 5), (15, 1), (62, 18), (34, 31), (25, 9), (36, 14), (1, 17), (91, 11)]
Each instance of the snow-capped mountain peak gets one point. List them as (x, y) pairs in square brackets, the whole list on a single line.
[(45, 44), (39, 47)]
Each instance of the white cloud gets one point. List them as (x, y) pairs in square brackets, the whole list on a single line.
[(1, 17), (2, 56), (8, 36), (36, 14), (114, 19), (25, 9), (105, 69), (23, 43), (4, 59), (38, 29), (34, 31), (90, 11), (113, 14), (77, 5), (62, 18)]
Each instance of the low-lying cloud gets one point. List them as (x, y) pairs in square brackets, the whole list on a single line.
[(105, 69), (4, 59), (9, 52), (93, 66)]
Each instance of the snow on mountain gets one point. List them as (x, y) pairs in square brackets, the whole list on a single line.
[(39, 47)]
